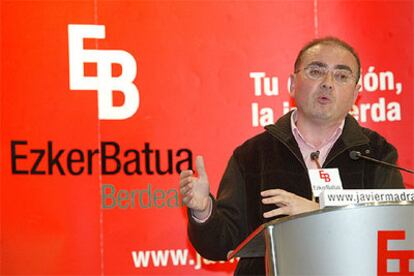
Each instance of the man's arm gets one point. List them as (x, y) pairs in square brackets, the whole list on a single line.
[(226, 225)]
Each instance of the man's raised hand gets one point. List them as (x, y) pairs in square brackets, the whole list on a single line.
[(195, 190)]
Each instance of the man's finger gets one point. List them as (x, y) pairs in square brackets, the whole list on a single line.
[(200, 167), (187, 199), (186, 173), (276, 212), (275, 200), (186, 181), (273, 192), (184, 189)]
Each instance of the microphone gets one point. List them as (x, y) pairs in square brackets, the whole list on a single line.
[(355, 155), (314, 157)]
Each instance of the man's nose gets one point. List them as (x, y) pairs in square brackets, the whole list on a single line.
[(328, 81)]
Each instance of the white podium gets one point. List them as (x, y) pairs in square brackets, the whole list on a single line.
[(368, 239)]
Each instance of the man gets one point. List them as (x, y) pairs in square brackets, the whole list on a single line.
[(267, 176)]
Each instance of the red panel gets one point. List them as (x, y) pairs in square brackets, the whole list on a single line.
[(50, 223)]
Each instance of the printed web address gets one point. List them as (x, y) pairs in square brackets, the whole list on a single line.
[(355, 196), (174, 257)]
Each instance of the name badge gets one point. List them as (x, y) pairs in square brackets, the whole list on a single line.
[(324, 179)]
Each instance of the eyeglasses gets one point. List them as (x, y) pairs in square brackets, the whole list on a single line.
[(315, 72)]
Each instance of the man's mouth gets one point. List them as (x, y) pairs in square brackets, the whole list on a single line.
[(324, 100)]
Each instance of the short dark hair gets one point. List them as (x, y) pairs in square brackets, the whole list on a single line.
[(329, 40)]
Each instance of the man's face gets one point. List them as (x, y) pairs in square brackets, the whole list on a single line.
[(325, 99)]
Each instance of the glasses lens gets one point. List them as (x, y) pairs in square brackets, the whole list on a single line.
[(342, 76), (315, 72)]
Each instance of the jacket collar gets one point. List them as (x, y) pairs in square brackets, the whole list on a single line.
[(351, 136)]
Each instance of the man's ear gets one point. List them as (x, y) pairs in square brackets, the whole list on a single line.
[(356, 91), (292, 85)]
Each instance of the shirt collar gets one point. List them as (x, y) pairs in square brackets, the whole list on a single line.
[(296, 133)]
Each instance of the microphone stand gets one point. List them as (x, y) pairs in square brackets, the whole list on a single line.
[(355, 155)]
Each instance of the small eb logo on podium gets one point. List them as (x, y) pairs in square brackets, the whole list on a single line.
[(325, 176), (104, 82), (324, 179)]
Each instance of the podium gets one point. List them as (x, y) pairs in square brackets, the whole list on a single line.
[(366, 239)]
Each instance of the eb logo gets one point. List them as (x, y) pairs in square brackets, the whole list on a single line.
[(104, 82), (325, 176), (398, 260)]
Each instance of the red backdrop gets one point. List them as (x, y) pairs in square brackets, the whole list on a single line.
[(196, 63)]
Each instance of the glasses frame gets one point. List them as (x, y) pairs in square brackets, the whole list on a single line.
[(326, 70)]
